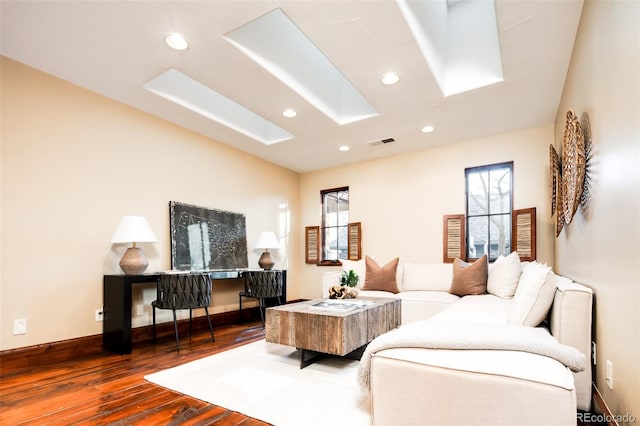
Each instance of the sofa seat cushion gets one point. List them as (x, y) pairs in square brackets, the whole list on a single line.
[(436, 297), (417, 305), (515, 364), (378, 293), (429, 296), (484, 308), (420, 305)]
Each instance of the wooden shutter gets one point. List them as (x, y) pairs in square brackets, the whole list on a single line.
[(354, 242), (453, 238), (523, 233), (312, 244)]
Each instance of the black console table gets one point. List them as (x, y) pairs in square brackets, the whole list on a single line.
[(117, 303)]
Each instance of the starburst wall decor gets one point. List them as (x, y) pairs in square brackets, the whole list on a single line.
[(569, 173)]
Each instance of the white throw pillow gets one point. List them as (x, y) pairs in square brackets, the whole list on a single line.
[(534, 295), (504, 276), (426, 276), (358, 266)]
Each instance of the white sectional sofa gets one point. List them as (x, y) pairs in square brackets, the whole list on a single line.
[(416, 384)]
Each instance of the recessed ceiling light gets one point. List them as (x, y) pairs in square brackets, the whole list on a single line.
[(344, 148), (427, 129), (289, 113), (176, 41), (390, 78)]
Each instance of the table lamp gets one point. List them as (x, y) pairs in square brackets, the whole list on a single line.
[(266, 240), (133, 229)]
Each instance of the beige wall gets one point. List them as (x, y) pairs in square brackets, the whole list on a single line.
[(73, 163), (401, 200), (601, 247)]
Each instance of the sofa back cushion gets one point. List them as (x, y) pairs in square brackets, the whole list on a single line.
[(534, 295), (504, 275), (426, 276)]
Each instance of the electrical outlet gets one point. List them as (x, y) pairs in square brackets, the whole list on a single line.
[(19, 326), (99, 314), (139, 310), (609, 374), (593, 352)]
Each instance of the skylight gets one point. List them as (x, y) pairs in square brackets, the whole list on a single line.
[(189, 93), (459, 40), (278, 45)]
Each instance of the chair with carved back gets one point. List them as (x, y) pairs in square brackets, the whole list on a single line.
[(183, 291), (262, 285)]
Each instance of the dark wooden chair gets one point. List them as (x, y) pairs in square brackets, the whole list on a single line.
[(262, 285), (183, 291)]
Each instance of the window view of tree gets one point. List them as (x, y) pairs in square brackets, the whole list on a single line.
[(335, 218), (489, 201)]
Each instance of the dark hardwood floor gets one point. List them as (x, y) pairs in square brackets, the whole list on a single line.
[(110, 389)]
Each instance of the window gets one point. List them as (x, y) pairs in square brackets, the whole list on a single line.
[(489, 200), (335, 220)]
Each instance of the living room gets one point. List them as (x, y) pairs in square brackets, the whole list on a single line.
[(74, 162)]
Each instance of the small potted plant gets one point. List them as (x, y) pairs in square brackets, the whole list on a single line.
[(349, 279)]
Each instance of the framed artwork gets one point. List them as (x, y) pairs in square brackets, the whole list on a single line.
[(354, 242), (206, 239), (523, 233), (453, 238), (312, 244)]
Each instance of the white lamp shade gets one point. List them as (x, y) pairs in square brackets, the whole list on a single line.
[(267, 240), (133, 229)]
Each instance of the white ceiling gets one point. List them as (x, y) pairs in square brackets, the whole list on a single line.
[(114, 47)]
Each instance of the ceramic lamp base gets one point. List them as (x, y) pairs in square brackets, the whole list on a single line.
[(134, 261), (265, 261)]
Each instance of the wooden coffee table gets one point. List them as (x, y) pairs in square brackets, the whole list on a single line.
[(317, 330)]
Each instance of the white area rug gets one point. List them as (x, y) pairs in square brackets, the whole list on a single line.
[(264, 381)]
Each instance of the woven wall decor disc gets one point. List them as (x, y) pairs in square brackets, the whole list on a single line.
[(554, 176), (573, 165), (559, 210)]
